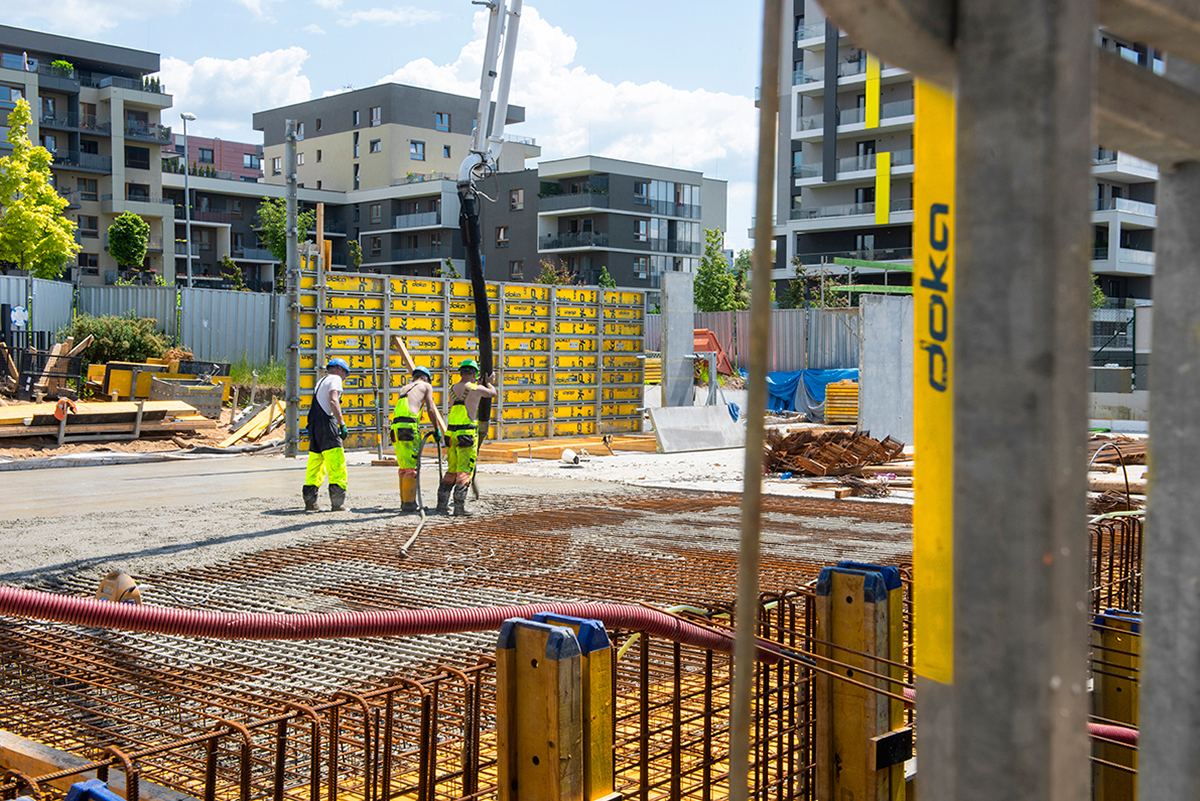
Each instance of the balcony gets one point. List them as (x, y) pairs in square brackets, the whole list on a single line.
[(221, 217), (88, 162), (844, 70), (1144, 257), (181, 248), (848, 210), (580, 200), (582, 239), (421, 178), (1127, 205), (1100, 253), (431, 253), (669, 208), (332, 227), (870, 254), (520, 140), (678, 246), (254, 254), (148, 85), (858, 116), (423, 220), (148, 132), (51, 77), (153, 243), (145, 204), (72, 196)]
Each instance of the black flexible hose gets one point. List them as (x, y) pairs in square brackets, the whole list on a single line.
[(468, 222)]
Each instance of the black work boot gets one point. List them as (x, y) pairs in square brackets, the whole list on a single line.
[(310, 498), (460, 502), (443, 504), (408, 506), (337, 497)]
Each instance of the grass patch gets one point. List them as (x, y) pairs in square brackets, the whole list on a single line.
[(271, 374)]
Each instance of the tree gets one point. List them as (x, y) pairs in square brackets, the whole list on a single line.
[(446, 269), (272, 219), (605, 280), (230, 270), (34, 234), (810, 289), (1098, 296), (715, 286), (355, 251), (555, 273), (128, 239)]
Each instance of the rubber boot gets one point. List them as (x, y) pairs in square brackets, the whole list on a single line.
[(310, 498), (337, 497), (460, 501), (408, 494), (443, 504)]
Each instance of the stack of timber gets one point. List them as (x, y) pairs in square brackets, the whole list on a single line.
[(1133, 451), (158, 417), (8, 370), (509, 451), (255, 426), (827, 453)]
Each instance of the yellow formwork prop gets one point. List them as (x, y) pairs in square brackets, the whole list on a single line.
[(1116, 659)]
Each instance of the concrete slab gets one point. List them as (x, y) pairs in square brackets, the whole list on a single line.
[(696, 428)]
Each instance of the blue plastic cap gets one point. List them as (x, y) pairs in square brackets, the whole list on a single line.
[(891, 575), (591, 634), (91, 790), (1108, 616), (874, 588), (560, 641)]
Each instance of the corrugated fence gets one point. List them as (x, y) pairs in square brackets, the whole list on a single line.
[(156, 302), (223, 326)]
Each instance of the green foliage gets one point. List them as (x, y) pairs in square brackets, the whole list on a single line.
[(128, 238), (62, 67), (605, 279), (272, 218), (355, 251), (446, 270), (271, 374), (715, 286), (120, 339), (1099, 299), (809, 289), (555, 273), (34, 234), (230, 270)]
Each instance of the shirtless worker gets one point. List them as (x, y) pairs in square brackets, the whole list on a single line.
[(406, 434), (462, 437)]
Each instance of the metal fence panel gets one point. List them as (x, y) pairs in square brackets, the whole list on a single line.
[(832, 338), (1113, 329), (14, 290), (52, 302), (280, 340), (654, 333), (155, 302), (223, 326)]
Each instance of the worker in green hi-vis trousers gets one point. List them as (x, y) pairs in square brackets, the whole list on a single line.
[(326, 432), (461, 436)]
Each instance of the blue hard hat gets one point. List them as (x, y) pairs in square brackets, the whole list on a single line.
[(419, 370), (338, 361)]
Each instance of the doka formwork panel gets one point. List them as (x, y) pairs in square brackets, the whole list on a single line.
[(566, 357)]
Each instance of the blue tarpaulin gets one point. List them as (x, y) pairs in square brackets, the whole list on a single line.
[(803, 390)]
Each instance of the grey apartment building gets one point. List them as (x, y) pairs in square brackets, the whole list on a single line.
[(845, 164)]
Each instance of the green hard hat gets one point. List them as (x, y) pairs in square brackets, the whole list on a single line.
[(469, 364)]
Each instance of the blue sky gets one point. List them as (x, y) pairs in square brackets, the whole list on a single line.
[(657, 80)]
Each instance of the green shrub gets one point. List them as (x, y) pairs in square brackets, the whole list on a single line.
[(117, 339)]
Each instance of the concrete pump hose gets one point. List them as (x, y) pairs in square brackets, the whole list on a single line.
[(35, 605)]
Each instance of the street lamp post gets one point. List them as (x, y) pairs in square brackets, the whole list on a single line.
[(187, 196)]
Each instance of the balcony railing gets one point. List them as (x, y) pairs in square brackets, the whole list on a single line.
[(817, 75), (1103, 156), (57, 72), (810, 31), (181, 249), (83, 161), (807, 170), (1135, 256), (135, 197), (211, 216), (151, 131), (582, 239), (154, 243), (675, 246), (1100, 253), (580, 200), (256, 254), (425, 177), (117, 82), (900, 158), (71, 196), (1125, 204), (520, 140), (850, 116), (869, 254), (849, 209), (422, 220), (672, 209), (429, 253)]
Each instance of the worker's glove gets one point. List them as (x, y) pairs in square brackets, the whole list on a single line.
[(343, 432)]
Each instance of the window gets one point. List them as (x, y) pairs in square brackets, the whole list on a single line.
[(354, 117), (138, 192), (355, 176), (375, 146), (300, 130), (10, 94), (864, 194), (356, 144), (516, 268), (641, 266), (866, 148), (137, 157), (47, 108), (204, 236), (445, 151), (376, 212), (87, 188), (376, 115), (318, 184), (356, 214), (318, 156), (89, 226), (137, 119), (376, 246), (299, 159), (251, 161), (435, 239), (206, 155), (576, 187), (239, 242), (89, 146), (318, 123), (516, 199), (416, 150), (501, 236), (641, 191), (276, 165), (641, 230), (87, 114), (51, 144), (235, 209), (441, 121), (89, 263)]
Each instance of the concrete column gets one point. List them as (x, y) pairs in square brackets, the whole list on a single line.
[(1169, 744), (678, 322), (1012, 722)]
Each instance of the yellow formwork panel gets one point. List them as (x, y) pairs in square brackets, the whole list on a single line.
[(573, 411), (619, 409), (401, 324), (574, 378), (526, 310), (570, 328), (622, 329), (525, 430), (621, 378), (343, 282), (566, 429), (519, 326), (571, 294), (573, 361), (526, 292), (623, 314), (525, 395), (406, 304), (415, 286), (621, 426), (626, 363), (525, 361), (577, 312), (462, 289), (355, 303), (523, 413), (621, 393), (622, 345), (526, 343), (574, 395), (522, 379), (466, 308), (582, 345)]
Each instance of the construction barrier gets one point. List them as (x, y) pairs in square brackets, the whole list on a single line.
[(567, 357)]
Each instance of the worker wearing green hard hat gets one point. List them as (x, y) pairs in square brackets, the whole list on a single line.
[(406, 433), (327, 431), (461, 437)]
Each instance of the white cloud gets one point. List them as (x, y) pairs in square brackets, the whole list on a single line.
[(397, 15), (225, 93), (313, 27), (329, 4), (86, 18), (572, 111), (261, 9)]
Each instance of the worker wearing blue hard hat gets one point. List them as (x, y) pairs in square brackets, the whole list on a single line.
[(326, 433), (462, 439), (406, 433)]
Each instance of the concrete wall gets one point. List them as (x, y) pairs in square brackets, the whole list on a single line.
[(678, 313), (1119, 405), (885, 389)]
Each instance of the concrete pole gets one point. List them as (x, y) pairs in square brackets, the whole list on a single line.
[(292, 413), (1011, 724), (1169, 743), (678, 324), (187, 205)]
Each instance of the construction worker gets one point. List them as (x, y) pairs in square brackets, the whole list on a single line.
[(406, 433), (326, 430), (461, 436)]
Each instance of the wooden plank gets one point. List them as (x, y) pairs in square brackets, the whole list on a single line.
[(164, 426), (75, 351), (56, 352), (95, 411), (258, 420), (398, 342), (894, 468), (9, 365)]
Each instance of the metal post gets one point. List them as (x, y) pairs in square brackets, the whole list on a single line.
[(1010, 721), (1170, 716), (187, 199), (292, 416), (756, 402)]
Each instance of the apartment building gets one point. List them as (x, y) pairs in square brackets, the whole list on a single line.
[(240, 161), (845, 165), (98, 109)]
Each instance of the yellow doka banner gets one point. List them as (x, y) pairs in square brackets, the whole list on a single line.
[(933, 385)]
